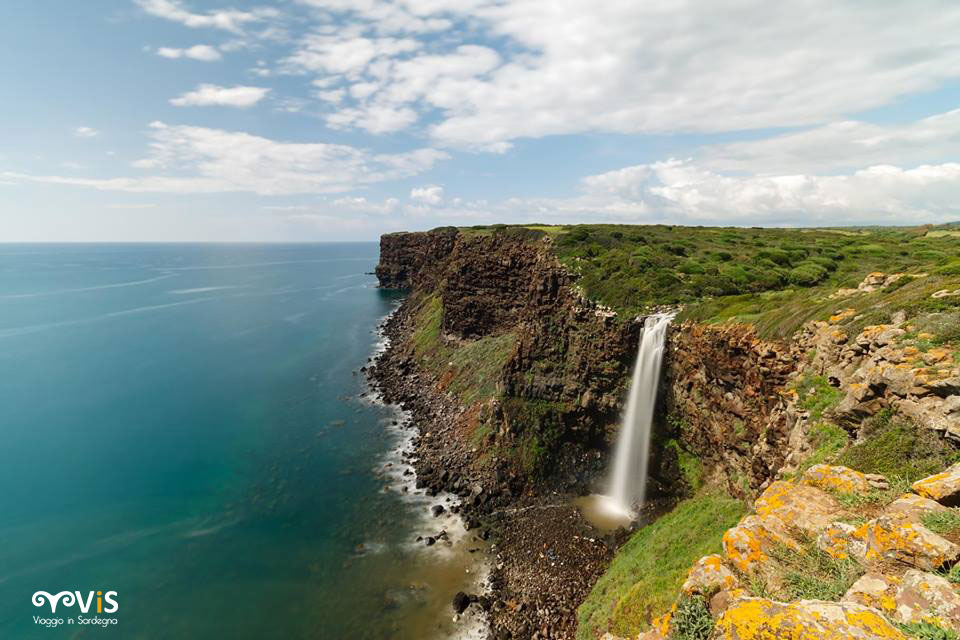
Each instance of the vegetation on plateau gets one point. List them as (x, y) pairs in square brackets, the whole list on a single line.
[(776, 279)]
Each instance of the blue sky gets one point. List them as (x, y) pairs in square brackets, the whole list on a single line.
[(343, 119)]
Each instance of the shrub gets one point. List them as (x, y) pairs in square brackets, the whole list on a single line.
[(691, 620), (807, 274), (892, 445)]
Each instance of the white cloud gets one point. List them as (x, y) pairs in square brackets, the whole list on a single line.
[(86, 132), (623, 66), (684, 192), (207, 95), (203, 52), (227, 19), (344, 53), (844, 145), (201, 160), (431, 194)]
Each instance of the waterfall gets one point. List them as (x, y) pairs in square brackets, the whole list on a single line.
[(628, 478)]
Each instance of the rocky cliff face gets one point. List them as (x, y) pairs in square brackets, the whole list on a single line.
[(561, 389), (723, 389), (563, 380)]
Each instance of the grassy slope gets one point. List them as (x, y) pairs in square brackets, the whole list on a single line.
[(645, 576)]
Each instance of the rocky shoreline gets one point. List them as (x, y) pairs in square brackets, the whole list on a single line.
[(544, 556)]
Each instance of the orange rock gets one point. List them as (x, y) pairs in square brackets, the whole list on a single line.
[(762, 619), (841, 479), (709, 575), (943, 487)]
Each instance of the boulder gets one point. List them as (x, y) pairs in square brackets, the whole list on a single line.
[(747, 546), (917, 596), (913, 507), (762, 619), (943, 487), (799, 506), (902, 540), (841, 541), (708, 576), (874, 590), (895, 538), (460, 602), (841, 479)]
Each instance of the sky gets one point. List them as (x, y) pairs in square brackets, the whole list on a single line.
[(314, 120)]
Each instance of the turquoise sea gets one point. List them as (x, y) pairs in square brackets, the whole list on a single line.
[(182, 424)]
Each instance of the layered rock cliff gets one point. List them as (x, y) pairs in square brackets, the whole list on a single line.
[(516, 381)]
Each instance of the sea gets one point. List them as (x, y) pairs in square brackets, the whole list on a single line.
[(185, 428)]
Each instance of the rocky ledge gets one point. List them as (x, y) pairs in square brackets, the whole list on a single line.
[(902, 572)]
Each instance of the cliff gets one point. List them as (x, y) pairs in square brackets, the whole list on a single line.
[(516, 380)]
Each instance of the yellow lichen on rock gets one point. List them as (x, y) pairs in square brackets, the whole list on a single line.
[(913, 507), (902, 540), (943, 487), (747, 546), (762, 619), (796, 505), (839, 479), (708, 576)]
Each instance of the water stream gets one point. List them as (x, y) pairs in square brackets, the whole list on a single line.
[(628, 476)]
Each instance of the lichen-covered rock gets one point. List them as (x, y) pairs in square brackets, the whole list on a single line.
[(762, 619), (722, 600), (917, 596), (709, 575), (903, 540), (841, 479), (841, 541), (925, 597), (913, 507), (799, 506), (943, 487), (748, 545), (874, 590), (889, 537), (783, 507)]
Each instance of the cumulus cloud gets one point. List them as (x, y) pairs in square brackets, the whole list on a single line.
[(682, 191), (202, 160), (844, 145), (431, 194), (203, 52), (623, 66), (207, 95), (86, 132), (231, 20)]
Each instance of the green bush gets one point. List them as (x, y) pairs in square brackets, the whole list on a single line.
[(894, 446), (691, 620), (807, 274)]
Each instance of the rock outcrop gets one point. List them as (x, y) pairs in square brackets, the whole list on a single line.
[(880, 368), (898, 559), (723, 387)]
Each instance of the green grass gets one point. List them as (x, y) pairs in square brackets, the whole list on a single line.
[(894, 446), (645, 576), (943, 521), (927, 631), (812, 574), (817, 396), (828, 442), (471, 369), (690, 465)]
